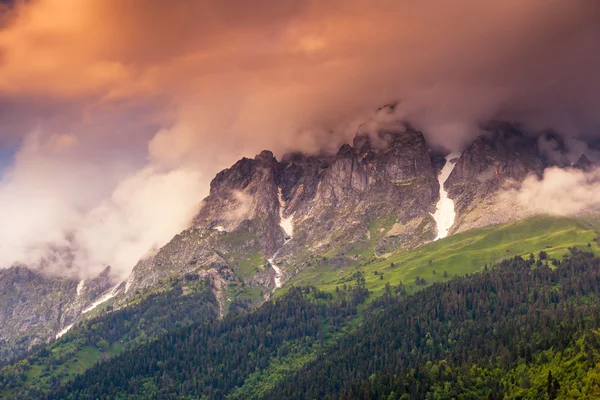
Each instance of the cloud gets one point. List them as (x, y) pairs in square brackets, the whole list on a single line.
[(69, 217), (243, 204), (264, 74), (142, 214), (152, 98), (561, 192)]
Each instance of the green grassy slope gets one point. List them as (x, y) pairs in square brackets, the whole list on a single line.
[(490, 335), (461, 254)]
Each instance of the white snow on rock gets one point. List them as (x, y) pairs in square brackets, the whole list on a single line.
[(80, 287), (444, 213), (277, 273), (105, 297), (219, 228), (59, 334), (288, 229), (285, 223)]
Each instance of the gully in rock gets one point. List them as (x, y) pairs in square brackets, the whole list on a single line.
[(444, 212), (288, 229)]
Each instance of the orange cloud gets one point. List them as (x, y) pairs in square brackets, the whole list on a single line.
[(177, 90)]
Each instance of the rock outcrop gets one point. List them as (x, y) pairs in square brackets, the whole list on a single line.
[(496, 162), (35, 307), (373, 196)]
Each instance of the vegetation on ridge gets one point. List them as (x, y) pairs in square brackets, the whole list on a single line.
[(457, 255), (521, 329)]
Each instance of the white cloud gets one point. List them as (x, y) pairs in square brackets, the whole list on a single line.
[(561, 192), (76, 218)]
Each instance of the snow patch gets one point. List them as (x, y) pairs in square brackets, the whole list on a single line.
[(80, 287), (285, 223), (107, 296), (288, 229), (444, 213), (219, 228), (277, 272), (67, 329)]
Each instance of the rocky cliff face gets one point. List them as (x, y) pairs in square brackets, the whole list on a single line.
[(35, 307), (496, 162), (370, 197)]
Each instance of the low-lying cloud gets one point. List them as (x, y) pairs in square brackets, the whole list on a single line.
[(67, 220), (561, 192)]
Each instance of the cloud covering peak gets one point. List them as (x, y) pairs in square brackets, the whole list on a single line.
[(110, 103)]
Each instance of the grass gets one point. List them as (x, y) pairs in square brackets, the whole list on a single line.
[(248, 266), (69, 360), (462, 254)]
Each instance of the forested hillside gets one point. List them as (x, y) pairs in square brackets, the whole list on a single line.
[(210, 359), (187, 301), (521, 329)]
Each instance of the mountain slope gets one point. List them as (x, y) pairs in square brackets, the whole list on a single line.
[(459, 338), (468, 336), (458, 255), (35, 307), (461, 254), (184, 302)]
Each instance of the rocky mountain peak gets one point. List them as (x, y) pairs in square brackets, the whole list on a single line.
[(243, 173), (266, 220), (262, 212), (497, 161), (345, 151), (501, 151), (266, 158)]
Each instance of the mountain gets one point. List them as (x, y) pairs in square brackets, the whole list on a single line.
[(304, 218), (519, 329), (266, 220), (36, 307), (188, 303)]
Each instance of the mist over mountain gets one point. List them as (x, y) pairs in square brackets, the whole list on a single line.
[(120, 131), (270, 221)]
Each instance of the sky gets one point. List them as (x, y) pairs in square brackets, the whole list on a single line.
[(116, 114)]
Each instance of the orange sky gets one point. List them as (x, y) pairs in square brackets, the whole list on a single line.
[(269, 70)]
